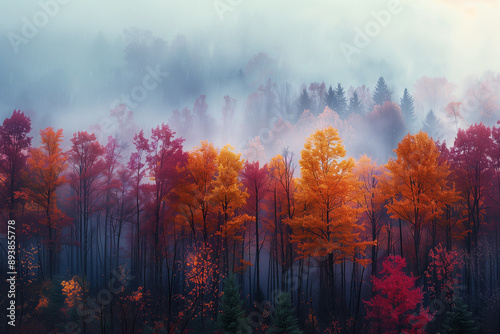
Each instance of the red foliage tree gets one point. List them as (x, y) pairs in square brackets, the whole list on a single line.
[(394, 307), (452, 215), (14, 144), (137, 165), (471, 163), (442, 273), (255, 179), (87, 163), (112, 155), (165, 163)]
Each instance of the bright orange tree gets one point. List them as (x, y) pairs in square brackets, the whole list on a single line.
[(328, 184), (228, 194), (200, 288), (416, 185), (328, 229), (46, 165), (202, 169), (73, 292)]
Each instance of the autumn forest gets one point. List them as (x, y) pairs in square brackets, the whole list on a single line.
[(226, 167), (149, 237)]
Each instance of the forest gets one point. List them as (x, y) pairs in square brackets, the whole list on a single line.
[(234, 166), (146, 236)]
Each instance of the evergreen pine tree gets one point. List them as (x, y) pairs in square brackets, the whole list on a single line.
[(232, 317), (355, 105), (304, 102), (340, 104), (431, 126), (284, 320), (459, 320), (330, 98), (382, 92), (407, 109)]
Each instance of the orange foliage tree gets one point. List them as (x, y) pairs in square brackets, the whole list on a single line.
[(328, 229), (200, 288), (45, 167), (202, 169), (228, 194), (416, 185), (73, 292)]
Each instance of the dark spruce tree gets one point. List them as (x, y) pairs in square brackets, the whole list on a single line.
[(340, 104), (330, 98), (232, 319), (304, 102), (382, 92), (459, 320), (432, 126), (355, 105), (284, 320), (408, 110)]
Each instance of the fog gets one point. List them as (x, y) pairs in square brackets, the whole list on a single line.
[(67, 63)]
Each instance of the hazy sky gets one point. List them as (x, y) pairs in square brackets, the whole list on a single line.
[(435, 38)]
